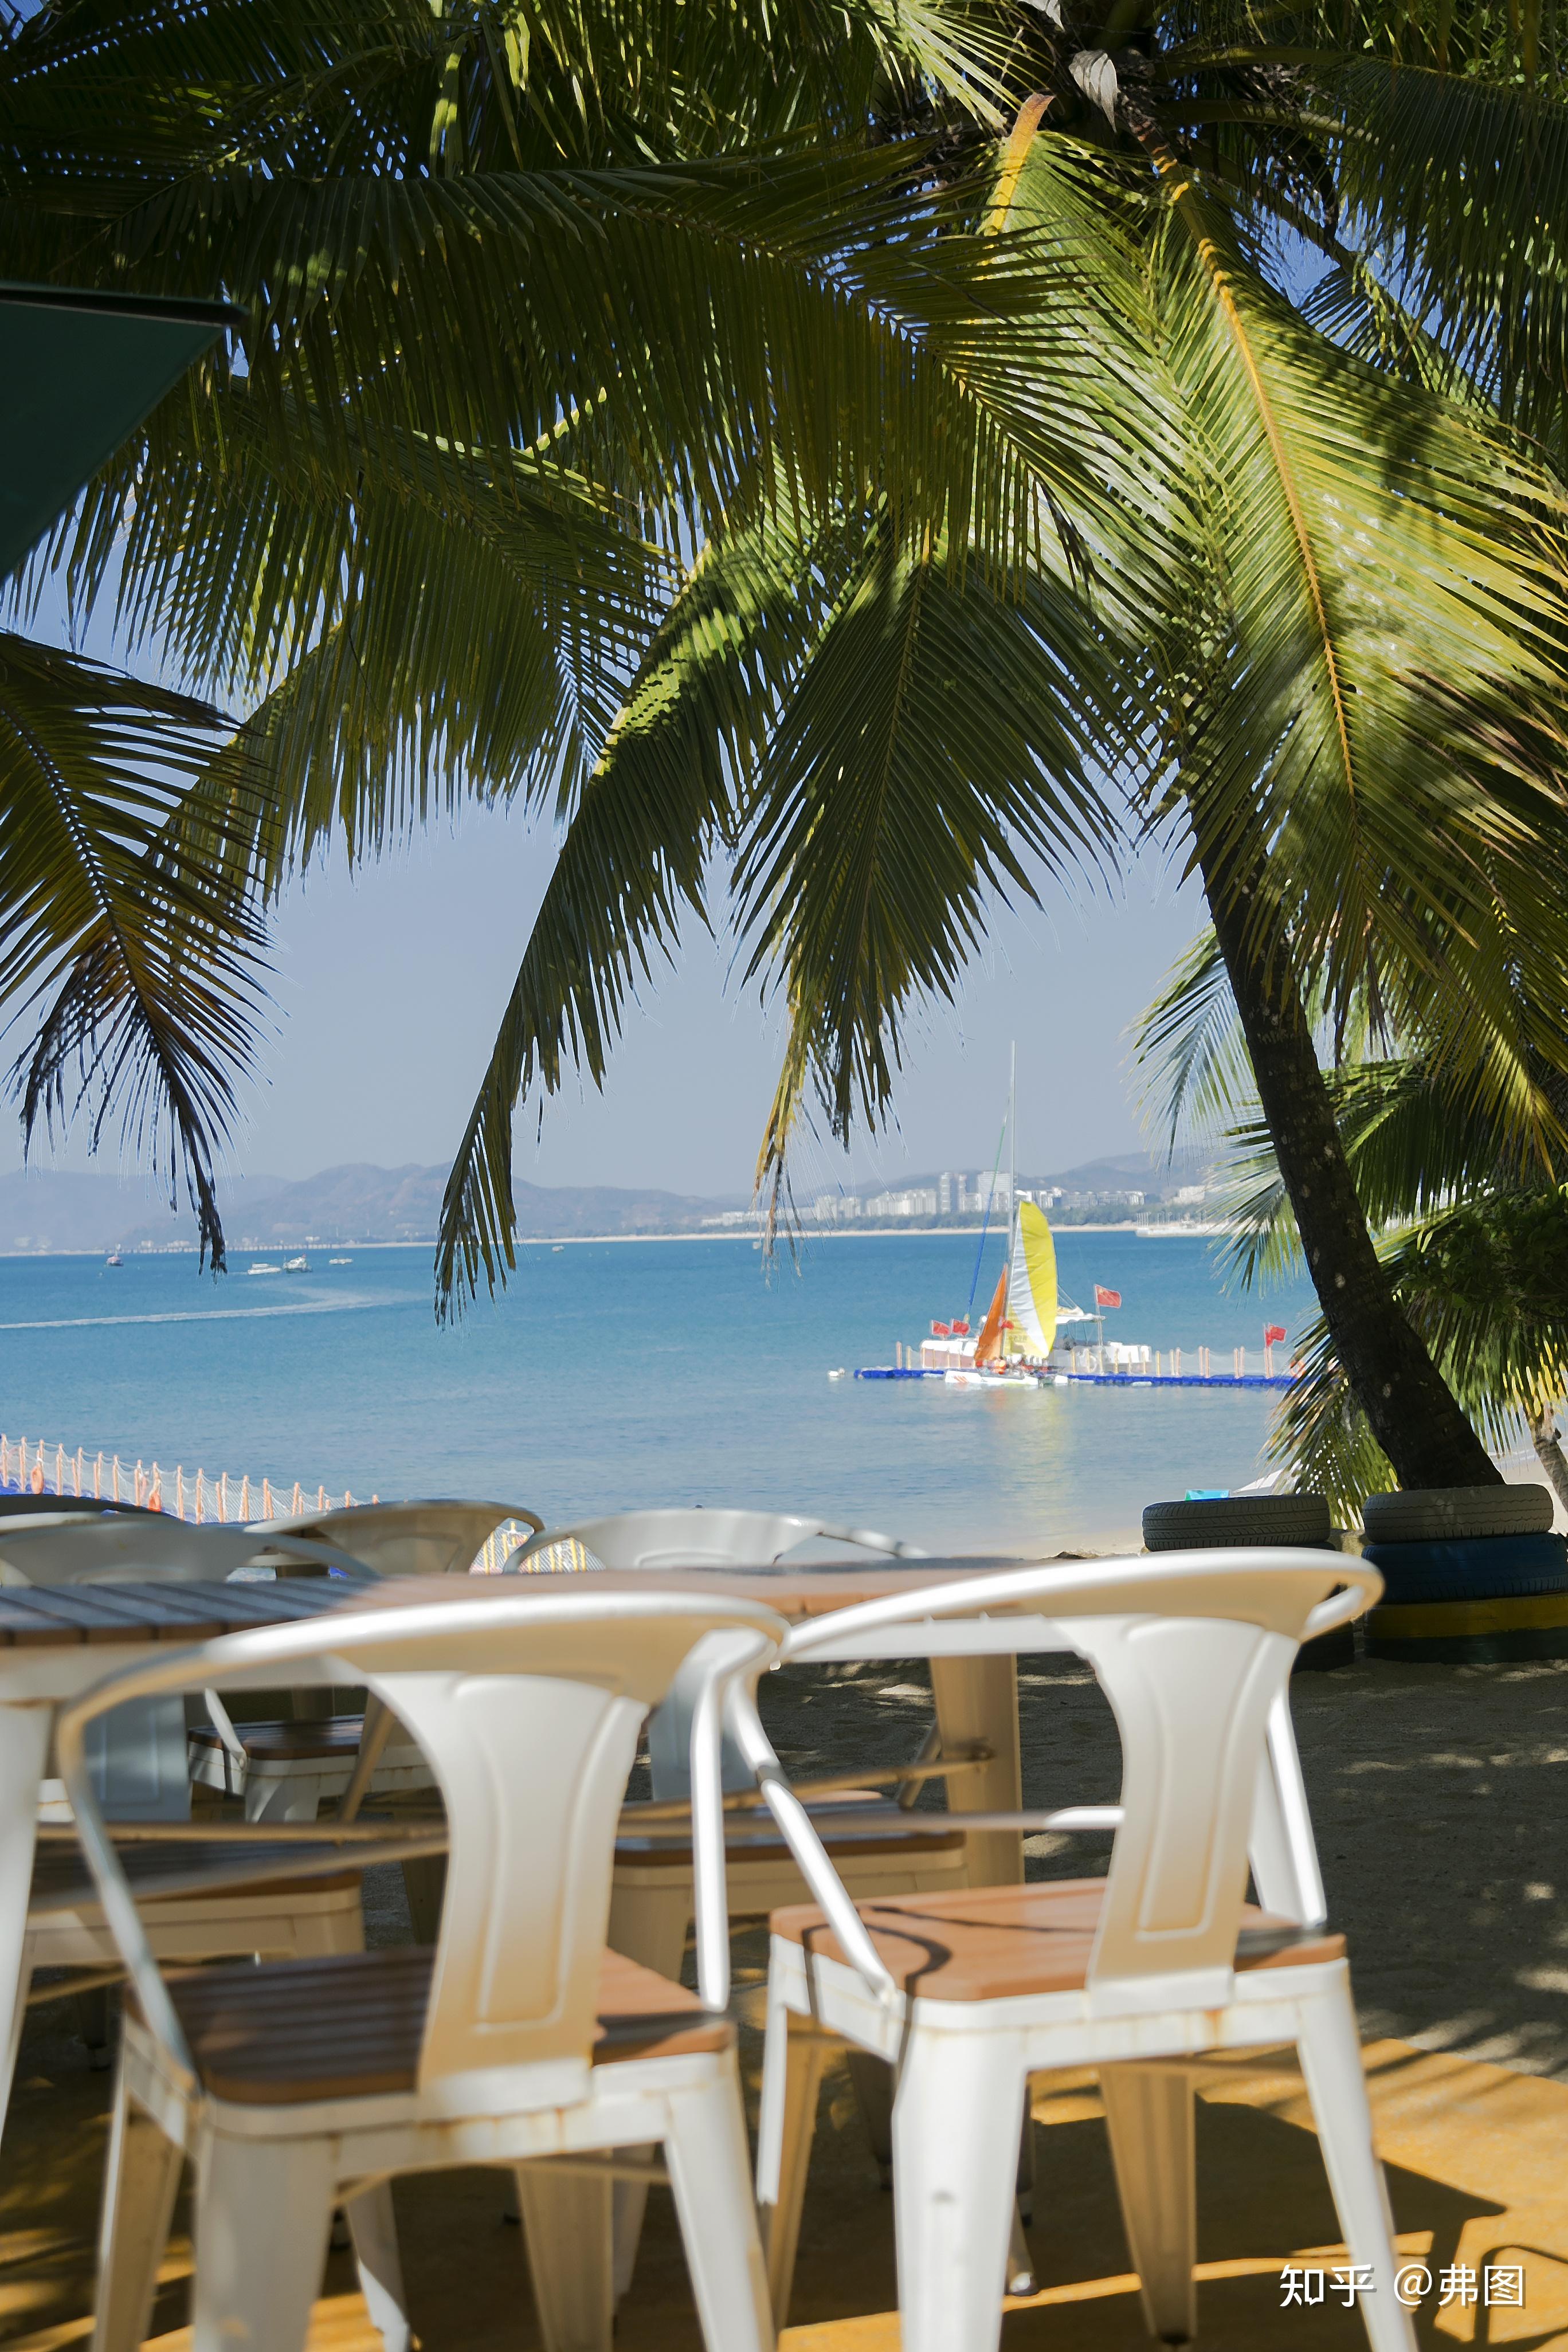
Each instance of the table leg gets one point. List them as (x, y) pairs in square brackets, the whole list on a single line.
[(977, 1699), (24, 1751)]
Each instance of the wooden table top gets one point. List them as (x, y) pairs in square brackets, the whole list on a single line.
[(35, 1616)]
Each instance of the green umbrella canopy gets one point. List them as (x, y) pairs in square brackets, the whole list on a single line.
[(78, 373)]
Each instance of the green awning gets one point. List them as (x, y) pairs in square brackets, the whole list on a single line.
[(78, 373)]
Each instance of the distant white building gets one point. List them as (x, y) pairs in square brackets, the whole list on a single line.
[(950, 1193), (833, 1208), (1190, 1195), (919, 1203), (991, 1192)]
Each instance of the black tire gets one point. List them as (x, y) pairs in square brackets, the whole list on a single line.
[(1476, 1568), (1226, 1520), (1455, 1514)]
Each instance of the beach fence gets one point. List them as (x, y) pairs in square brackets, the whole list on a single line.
[(35, 1466)]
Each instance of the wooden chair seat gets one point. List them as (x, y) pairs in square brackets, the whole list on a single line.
[(350, 2027), (334, 1738), (179, 1871), (995, 1943)]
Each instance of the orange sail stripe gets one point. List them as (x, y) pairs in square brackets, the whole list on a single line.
[(988, 1347)]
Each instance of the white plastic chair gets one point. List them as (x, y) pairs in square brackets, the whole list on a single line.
[(285, 1769), (1135, 1974), (519, 2042)]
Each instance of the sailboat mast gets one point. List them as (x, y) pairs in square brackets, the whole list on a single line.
[(1012, 1165)]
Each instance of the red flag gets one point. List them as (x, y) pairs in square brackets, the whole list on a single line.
[(1103, 1298), (960, 1328), (1272, 1331), (941, 1331)]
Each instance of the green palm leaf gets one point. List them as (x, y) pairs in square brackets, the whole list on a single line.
[(137, 967)]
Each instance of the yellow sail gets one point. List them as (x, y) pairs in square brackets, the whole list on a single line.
[(1032, 1291)]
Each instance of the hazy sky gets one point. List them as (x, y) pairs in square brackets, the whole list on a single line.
[(389, 985)]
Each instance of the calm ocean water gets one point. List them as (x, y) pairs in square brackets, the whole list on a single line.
[(640, 1373)]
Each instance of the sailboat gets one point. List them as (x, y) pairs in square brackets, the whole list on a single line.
[(1015, 1340)]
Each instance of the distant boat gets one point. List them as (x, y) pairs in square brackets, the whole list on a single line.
[(264, 1269), (340, 1261), (114, 1258), (296, 1265)]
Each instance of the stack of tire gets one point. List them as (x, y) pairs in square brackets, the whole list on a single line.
[(1296, 1522), (1472, 1575)]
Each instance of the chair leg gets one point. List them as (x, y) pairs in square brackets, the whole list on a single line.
[(792, 2079), (373, 2225), (710, 2174), (263, 2209), (566, 2222), (17, 2020), (1330, 2046), (294, 1798), (139, 2191), (95, 2028), (955, 2168), (1150, 2111), (24, 1739), (648, 1924)]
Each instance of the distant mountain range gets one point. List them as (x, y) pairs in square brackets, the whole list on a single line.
[(47, 1209)]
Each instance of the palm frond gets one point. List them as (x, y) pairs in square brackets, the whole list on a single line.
[(136, 968), (631, 863), (943, 748), (1486, 1284)]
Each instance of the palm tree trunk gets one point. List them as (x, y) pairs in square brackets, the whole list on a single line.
[(1412, 1410), (1549, 1453)]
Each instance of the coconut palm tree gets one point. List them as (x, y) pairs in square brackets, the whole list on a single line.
[(1347, 708), (1033, 507)]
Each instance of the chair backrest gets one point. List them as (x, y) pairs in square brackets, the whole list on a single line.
[(439, 1536), (528, 1704), (1193, 1651), (703, 1538), (690, 1539), (64, 1548)]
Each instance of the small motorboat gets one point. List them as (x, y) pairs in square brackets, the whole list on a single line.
[(340, 1261), (296, 1265), (114, 1258), (264, 1269)]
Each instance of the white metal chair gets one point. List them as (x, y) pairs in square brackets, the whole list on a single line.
[(435, 1536), (880, 1849), (1136, 1974), (521, 2041), (691, 1538), (141, 1761), (285, 1769)]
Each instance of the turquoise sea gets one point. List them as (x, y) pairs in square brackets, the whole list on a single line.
[(618, 1374)]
